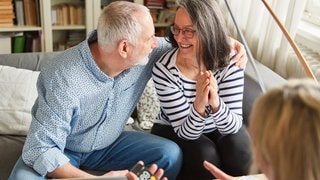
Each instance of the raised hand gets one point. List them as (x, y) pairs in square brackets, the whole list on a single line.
[(216, 172), (202, 92), (213, 97)]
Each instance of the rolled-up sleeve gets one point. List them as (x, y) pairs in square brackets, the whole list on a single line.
[(49, 161)]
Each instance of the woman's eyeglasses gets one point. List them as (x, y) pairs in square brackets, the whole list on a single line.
[(187, 32)]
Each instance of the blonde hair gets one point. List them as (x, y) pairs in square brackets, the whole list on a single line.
[(285, 130)]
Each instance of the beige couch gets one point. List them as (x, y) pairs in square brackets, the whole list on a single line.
[(11, 139)]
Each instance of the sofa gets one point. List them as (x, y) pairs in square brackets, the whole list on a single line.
[(19, 73)]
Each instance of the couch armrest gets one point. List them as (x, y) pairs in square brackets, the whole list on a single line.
[(252, 87), (11, 148)]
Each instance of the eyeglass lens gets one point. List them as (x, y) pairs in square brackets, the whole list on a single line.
[(185, 31)]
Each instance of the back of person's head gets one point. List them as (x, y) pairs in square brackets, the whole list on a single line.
[(118, 21), (285, 130), (209, 24)]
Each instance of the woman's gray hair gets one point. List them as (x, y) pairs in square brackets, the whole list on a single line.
[(117, 22), (208, 21)]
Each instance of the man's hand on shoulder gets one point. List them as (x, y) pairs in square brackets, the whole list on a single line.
[(241, 57)]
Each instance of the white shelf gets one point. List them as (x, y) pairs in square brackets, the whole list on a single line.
[(71, 27), (20, 28)]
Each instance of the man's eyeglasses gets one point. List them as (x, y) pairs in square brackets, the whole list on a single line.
[(187, 32)]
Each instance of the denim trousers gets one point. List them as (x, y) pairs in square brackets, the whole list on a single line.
[(124, 153)]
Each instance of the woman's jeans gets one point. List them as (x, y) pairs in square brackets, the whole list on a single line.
[(124, 153)]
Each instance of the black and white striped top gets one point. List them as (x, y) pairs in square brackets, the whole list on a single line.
[(177, 93)]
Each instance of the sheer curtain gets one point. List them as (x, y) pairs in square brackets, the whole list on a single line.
[(265, 39)]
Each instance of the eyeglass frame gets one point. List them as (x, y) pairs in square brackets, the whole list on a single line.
[(184, 31)]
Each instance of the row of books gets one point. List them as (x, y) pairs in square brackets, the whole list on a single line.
[(162, 11), (160, 4), (21, 12), (27, 12), (30, 41), (155, 4), (20, 43), (68, 14), (69, 39), (6, 13)]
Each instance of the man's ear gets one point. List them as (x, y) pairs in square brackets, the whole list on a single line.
[(124, 48)]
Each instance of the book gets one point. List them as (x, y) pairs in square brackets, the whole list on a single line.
[(6, 11), (7, 24), (6, 3), (7, 16), (5, 21), (28, 42), (32, 41), (81, 14), (19, 12), (5, 46), (55, 15), (10, 6), (30, 12), (73, 16), (18, 43), (65, 14), (36, 43)]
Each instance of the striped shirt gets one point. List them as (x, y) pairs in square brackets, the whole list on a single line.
[(177, 94)]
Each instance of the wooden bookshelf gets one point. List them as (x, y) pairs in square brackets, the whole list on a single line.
[(48, 32), (24, 34), (34, 17)]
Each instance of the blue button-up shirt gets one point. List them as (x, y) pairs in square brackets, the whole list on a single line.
[(79, 107)]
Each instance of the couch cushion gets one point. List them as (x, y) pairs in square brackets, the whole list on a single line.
[(17, 93)]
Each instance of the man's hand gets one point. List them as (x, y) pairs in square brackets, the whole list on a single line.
[(117, 173), (216, 172), (153, 169), (241, 57)]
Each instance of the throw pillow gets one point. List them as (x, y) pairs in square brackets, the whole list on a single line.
[(148, 106), (17, 95)]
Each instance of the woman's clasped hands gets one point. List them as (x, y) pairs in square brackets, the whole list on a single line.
[(207, 92)]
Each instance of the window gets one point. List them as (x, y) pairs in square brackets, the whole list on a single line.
[(311, 12), (309, 28)]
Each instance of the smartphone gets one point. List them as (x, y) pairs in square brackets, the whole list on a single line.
[(142, 172)]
